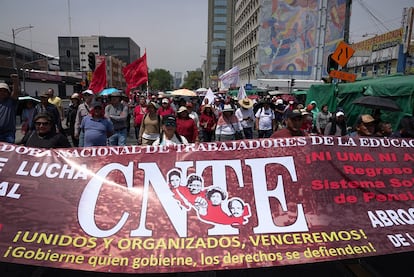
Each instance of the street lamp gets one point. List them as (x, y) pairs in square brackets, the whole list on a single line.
[(15, 32), (24, 71)]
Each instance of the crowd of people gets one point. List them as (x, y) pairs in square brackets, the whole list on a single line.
[(94, 120)]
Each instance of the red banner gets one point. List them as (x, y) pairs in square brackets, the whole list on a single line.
[(207, 206)]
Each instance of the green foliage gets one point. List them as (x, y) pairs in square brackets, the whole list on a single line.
[(160, 79), (193, 80)]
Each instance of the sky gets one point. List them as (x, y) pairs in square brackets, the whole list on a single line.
[(173, 32)]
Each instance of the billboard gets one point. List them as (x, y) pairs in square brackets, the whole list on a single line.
[(289, 36)]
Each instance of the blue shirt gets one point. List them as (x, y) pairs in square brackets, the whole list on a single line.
[(8, 109), (96, 130)]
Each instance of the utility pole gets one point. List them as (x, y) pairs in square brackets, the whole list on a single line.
[(14, 33)]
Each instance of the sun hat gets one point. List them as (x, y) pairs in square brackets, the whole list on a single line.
[(246, 103)]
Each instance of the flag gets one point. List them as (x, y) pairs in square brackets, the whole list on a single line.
[(230, 78), (136, 73), (242, 93), (98, 82), (210, 96)]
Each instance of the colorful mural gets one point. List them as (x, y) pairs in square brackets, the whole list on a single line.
[(288, 36)]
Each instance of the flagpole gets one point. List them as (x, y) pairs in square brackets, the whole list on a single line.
[(145, 52)]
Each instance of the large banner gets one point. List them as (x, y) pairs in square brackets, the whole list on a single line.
[(207, 206)]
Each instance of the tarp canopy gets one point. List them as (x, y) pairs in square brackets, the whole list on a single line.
[(396, 87)]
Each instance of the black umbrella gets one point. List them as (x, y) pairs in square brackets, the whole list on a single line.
[(259, 105), (377, 103)]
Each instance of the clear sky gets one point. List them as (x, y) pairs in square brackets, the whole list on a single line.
[(173, 32)]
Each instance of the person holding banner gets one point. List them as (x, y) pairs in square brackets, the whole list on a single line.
[(228, 125), (169, 135), (45, 135)]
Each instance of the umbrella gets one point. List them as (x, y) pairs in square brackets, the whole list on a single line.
[(201, 90), (259, 105), (377, 103), (108, 91), (183, 92)]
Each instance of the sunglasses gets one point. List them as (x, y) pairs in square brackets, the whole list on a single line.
[(42, 123), (172, 124)]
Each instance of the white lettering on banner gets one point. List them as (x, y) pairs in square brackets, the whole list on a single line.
[(262, 195), (52, 170), (178, 216)]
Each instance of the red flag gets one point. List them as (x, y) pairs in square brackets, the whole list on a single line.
[(98, 82), (136, 73)]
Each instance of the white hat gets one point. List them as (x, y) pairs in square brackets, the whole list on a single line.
[(5, 86), (165, 100), (88, 91), (182, 109), (338, 114), (279, 101), (227, 108)]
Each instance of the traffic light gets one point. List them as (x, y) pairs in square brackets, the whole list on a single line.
[(331, 64), (91, 60), (292, 82)]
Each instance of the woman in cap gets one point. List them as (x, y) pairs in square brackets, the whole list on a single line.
[(71, 117), (228, 124), (169, 135)]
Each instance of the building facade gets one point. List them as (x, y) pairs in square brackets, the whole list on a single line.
[(286, 39), (219, 40), (73, 51)]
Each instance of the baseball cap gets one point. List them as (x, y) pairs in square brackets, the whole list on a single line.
[(338, 114), (169, 121), (165, 100), (4, 86), (294, 113)]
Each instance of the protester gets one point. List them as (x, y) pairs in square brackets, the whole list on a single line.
[(280, 109), (322, 119), (165, 108), (228, 125), (27, 115), (265, 120), (43, 107), (208, 123), (138, 114), (71, 117), (186, 126), (337, 126), (96, 127), (193, 114), (245, 115), (55, 100), (44, 135), (83, 110), (405, 128), (294, 121), (364, 126), (8, 110), (151, 125), (384, 129), (169, 135), (117, 112)]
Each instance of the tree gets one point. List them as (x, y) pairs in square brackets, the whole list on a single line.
[(193, 80), (160, 79)]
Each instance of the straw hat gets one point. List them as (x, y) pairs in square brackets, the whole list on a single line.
[(246, 103)]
